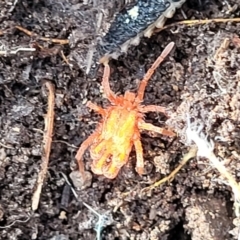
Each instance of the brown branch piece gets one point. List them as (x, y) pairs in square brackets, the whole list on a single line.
[(191, 154), (47, 142), (32, 34), (198, 22)]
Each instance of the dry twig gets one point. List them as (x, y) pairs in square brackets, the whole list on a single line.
[(47, 141), (32, 34), (198, 22), (191, 154), (53, 40)]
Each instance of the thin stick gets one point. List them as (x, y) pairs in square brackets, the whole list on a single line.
[(198, 22), (191, 154), (47, 141), (64, 57), (32, 34)]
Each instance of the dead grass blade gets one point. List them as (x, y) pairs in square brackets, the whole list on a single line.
[(191, 154), (47, 142)]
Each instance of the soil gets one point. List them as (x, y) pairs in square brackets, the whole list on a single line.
[(197, 78)]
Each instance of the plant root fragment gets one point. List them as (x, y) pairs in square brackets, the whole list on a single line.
[(47, 142), (191, 154), (198, 22), (32, 34)]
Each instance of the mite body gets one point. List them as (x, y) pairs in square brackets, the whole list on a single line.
[(119, 130)]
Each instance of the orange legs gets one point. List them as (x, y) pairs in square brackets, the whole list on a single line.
[(139, 152), (106, 87), (111, 142), (109, 164), (149, 127), (152, 108), (151, 70), (82, 149)]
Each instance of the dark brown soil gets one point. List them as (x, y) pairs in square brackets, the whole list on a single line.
[(195, 78)]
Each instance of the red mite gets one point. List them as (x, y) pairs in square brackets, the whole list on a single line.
[(120, 127)]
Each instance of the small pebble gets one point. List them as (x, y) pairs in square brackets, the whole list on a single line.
[(78, 181)]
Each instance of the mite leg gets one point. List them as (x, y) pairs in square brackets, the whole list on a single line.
[(152, 108), (96, 108), (151, 70), (139, 152), (148, 126), (82, 149), (106, 87)]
